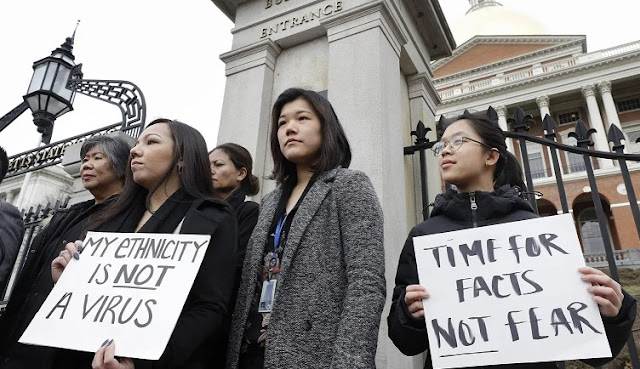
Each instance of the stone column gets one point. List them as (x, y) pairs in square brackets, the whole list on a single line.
[(365, 89), (502, 121), (600, 137), (609, 106), (543, 105), (247, 100)]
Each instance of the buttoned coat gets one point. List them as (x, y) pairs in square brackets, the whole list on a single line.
[(331, 288)]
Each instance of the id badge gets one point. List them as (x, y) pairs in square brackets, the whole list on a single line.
[(266, 297)]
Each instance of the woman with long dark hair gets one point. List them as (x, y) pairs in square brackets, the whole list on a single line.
[(473, 156), (313, 285), (168, 190)]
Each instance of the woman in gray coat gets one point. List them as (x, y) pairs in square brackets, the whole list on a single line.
[(313, 285)]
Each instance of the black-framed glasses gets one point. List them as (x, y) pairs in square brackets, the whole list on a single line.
[(454, 143)]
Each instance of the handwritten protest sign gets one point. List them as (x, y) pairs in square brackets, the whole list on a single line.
[(129, 287), (508, 293)]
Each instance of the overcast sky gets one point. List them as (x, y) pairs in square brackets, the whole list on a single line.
[(171, 49)]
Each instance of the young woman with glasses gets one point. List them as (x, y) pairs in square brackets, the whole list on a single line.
[(473, 156)]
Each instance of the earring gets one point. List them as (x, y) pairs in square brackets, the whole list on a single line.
[(179, 169)]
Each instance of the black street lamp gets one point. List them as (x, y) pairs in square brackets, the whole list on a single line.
[(48, 96), (55, 81)]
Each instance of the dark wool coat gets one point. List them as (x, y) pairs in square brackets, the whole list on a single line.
[(11, 233), (331, 288), (452, 212), (35, 283)]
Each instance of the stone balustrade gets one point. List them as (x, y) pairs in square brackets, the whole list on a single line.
[(535, 70)]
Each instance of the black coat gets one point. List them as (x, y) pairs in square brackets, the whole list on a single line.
[(247, 215), (35, 283), (11, 234), (452, 212)]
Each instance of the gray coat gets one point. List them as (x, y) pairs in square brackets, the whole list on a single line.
[(11, 233), (331, 288)]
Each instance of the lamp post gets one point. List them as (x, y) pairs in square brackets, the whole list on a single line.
[(55, 81), (48, 96)]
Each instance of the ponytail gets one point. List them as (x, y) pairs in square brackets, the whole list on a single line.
[(508, 171)]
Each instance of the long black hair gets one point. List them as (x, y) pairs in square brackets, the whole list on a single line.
[(241, 158), (334, 149), (508, 169), (195, 177)]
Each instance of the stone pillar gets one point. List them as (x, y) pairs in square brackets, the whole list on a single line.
[(543, 105), (600, 137), (502, 121), (365, 88), (610, 108), (247, 100)]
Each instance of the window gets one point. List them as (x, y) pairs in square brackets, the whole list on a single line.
[(575, 162), (536, 160), (568, 117), (590, 231), (628, 104), (633, 133)]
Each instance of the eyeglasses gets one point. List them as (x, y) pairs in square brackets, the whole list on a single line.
[(454, 144)]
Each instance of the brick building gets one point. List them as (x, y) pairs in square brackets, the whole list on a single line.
[(555, 75)]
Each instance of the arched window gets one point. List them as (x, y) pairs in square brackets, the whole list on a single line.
[(590, 232)]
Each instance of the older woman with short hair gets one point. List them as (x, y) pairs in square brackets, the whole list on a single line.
[(104, 160)]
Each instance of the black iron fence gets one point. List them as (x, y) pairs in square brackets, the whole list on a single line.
[(578, 159), (33, 222)]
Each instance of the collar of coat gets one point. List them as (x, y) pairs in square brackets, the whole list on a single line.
[(304, 216)]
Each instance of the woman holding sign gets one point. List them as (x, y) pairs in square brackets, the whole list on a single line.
[(473, 156), (313, 286), (169, 190)]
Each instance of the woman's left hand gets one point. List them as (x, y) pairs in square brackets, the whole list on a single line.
[(607, 293), (105, 358)]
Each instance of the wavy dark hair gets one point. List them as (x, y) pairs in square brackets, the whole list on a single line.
[(241, 158), (334, 150), (508, 169), (195, 179)]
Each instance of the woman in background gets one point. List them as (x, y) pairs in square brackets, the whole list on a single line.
[(233, 180)]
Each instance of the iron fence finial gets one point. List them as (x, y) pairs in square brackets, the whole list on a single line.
[(521, 121), (582, 134)]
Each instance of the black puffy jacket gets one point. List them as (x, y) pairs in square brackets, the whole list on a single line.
[(453, 211)]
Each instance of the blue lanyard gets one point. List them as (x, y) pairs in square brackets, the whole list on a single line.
[(278, 232)]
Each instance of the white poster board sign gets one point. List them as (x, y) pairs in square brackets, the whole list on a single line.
[(508, 293), (129, 287)]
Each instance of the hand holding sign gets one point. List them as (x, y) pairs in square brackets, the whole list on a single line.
[(71, 250), (413, 297), (105, 358), (607, 292)]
